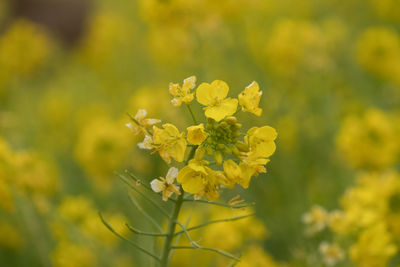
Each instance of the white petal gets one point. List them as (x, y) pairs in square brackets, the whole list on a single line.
[(171, 175), (157, 185), (153, 121), (129, 125), (146, 144), (141, 114)]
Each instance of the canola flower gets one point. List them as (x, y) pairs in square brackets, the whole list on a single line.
[(202, 160), (366, 227)]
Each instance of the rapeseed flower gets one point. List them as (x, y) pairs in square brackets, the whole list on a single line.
[(166, 185), (213, 96)]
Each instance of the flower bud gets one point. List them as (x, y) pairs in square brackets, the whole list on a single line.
[(218, 158), (199, 155), (242, 146), (231, 120)]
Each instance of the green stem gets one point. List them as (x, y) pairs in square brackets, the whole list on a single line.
[(191, 113), (173, 219), (171, 230)]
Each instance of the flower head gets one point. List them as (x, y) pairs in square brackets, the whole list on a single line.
[(331, 253), (182, 94), (140, 122), (169, 142), (316, 219), (166, 185), (213, 96), (196, 134), (261, 141), (249, 99)]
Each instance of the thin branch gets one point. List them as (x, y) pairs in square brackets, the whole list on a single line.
[(127, 240), (221, 252), (139, 232), (238, 206), (194, 244), (148, 216), (215, 221), (191, 113), (139, 182), (143, 195)]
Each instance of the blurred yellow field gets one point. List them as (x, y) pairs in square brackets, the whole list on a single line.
[(248, 133)]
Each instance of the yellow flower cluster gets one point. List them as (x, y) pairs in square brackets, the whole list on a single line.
[(378, 51), (218, 139), (23, 48), (28, 174), (370, 141), (368, 221)]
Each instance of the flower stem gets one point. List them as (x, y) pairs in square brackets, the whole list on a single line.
[(173, 219), (191, 113), (171, 230)]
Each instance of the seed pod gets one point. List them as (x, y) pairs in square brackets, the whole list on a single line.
[(231, 120), (218, 158), (238, 126), (200, 151), (221, 146), (242, 146), (227, 150), (223, 124), (235, 151)]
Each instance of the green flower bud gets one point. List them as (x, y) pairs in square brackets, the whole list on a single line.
[(231, 120), (218, 158), (235, 151), (242, 146), (199, 154)]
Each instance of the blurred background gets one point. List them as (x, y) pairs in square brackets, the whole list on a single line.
[(70, 70)]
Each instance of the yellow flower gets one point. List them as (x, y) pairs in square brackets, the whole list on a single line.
[(169, 142), (196, 134), (141, 122), (261, 141), (250, 98), (238, 174), (213, 96), (374, 247), (316, 219), (331, 253), (166, 185), (200, 180), (182, 94), (193, 177)]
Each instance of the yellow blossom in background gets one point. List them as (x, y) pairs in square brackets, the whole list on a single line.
[(182, 93), (374, 247), (76, 208), (196, 134), (169, 142), (378, 51), (68, 254), (10, 237), (166, 185), (102, 147), (213, 96), (369, 141), (250, 98), (23, 49), (316, 219), (331, 253), (255, 256)]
